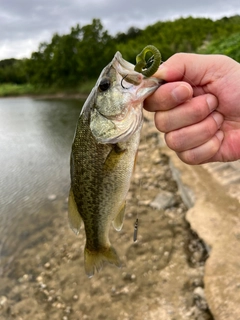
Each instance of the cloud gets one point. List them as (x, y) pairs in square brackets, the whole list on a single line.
[(26, 23)]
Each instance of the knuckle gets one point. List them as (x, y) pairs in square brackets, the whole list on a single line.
[(212, 128), (214, 146), (209, 132), (189, 157), (174, 141), (199, 112), (208, 128), (161, 121)]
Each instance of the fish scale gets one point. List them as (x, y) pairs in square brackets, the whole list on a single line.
[(103, 157)]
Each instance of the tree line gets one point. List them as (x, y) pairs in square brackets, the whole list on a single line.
[(79, 56)]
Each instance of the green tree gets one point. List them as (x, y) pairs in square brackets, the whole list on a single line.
[(95, 49), (229, 46), (72, 58), (13, 71)]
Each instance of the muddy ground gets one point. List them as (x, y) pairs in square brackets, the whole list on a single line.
[(162, 273)]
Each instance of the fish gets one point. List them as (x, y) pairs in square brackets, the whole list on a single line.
[(103, 157)]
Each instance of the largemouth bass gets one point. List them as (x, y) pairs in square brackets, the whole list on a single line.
[(103, 156)]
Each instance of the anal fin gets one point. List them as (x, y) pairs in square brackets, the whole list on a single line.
[(118, 221), (74, 217)]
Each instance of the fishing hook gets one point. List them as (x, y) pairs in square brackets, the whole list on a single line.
[(122, 82), (142, 65)]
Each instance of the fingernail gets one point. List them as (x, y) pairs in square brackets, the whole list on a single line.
[(212, 102), (161, 72), (181, 93), (218, 118)]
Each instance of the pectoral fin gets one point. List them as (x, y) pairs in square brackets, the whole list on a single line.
[(118, 221), (135, 161), (74, 217), (114, 156)]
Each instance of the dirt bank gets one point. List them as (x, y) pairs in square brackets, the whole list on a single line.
[(161, 276)]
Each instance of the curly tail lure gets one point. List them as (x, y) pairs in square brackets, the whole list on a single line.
[(142, 65)]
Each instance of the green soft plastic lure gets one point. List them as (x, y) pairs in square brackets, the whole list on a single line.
[(142, 65)]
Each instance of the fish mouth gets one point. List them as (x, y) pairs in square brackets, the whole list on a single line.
[(115, 125), (142, 86), (126, 70), (124, 63)]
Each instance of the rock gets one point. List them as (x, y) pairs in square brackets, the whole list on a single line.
[(163, 200), (156, 280), (214, 216), (52, 197), (3, 302), (39, 279), (128, 277), (199, 297), (47, 265), (199, 292)]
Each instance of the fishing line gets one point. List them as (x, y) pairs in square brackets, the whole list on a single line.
[(135, 231), (136, 224)]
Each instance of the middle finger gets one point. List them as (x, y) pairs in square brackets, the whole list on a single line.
[(186, 114)]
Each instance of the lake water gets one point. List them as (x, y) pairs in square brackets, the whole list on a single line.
[(35, 145)]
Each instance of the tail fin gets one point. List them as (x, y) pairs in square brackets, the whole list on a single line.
[(96, 259)]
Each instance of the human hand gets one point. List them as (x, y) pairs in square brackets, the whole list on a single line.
[(198, 108)]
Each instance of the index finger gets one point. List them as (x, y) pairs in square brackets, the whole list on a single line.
[(168, 96), (196, 69)]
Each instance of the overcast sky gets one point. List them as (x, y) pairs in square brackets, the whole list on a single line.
[(26, 23)]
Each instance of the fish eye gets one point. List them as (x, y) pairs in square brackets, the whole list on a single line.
[(104, 84)]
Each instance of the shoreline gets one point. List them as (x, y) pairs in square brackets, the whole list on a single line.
[(61, 95), (161, 274)]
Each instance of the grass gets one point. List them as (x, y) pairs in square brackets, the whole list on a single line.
[(12, 90), (9, 89)]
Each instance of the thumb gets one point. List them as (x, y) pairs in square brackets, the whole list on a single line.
[(186, 67)]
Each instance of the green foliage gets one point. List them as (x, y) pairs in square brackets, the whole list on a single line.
[(9, 89), (13, 71), (77, 58), (181, 35), (71, 59), (229, 46)]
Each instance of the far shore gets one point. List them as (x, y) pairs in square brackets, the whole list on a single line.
[(61, 95), (9, 90)]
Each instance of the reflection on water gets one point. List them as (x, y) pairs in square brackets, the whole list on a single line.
[(35, 144)]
